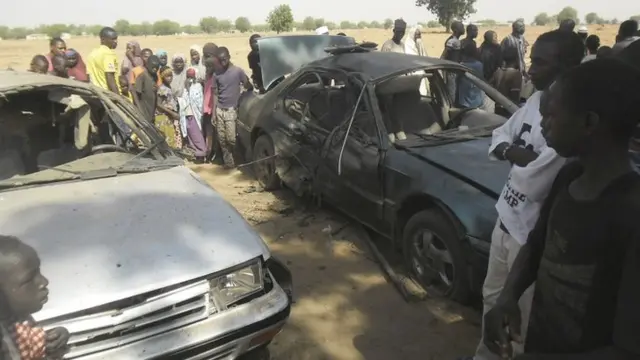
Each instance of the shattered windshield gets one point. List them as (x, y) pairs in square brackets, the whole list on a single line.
[(58, 133)]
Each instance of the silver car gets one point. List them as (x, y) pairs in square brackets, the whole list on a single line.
[(144, 259)]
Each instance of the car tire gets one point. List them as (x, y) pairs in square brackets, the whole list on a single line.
[(434, 256), (265, 170)]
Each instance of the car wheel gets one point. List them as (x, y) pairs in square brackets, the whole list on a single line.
[(433, 254), (265, 170)]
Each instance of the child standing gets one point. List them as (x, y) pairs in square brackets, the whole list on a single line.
[(508, 78), (167, 116), (23, 292), (145, 88), (191, 104)]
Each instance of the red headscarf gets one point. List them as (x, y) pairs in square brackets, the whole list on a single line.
[(78, 72)]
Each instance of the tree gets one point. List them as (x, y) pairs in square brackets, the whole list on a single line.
[(225, 25), (122, 27), (433, 24), (243, 24), (55, 30), (388, 23), (261, 27), (318, 22), (165, 27), (615, 21), (448, 10), (541, 19), (209, 24), (362, 25), (375, 25), (309, 23), (5, 31), (567, 13), (331, 25), (190, 29), (591, 18), (347, 25), (280, 18), (635, 17)]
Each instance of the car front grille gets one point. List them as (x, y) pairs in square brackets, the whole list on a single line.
[(148, 316)]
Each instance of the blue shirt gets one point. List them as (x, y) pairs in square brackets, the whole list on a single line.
[(469, 95)]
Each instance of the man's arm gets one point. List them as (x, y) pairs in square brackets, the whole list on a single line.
[(137, 89), (245, 81), (502, 147), (109, 66)]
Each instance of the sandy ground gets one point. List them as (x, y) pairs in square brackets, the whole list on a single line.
[(344, 306), (18, 53)]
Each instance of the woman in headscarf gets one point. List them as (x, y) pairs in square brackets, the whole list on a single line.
[(179, 74), (167, 116), (191, 106), (195, 54), (163, 56), (76, 67), (413, 42), (132, 58)]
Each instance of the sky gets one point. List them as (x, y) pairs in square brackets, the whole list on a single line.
[(107, 12)]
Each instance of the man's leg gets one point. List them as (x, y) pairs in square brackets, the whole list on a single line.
[(497, 272), (230, 118), (525, 300), (221, 126)]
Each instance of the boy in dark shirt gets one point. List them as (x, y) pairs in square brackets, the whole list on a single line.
[(23, 292), (146, 87), (229, 82), (508, 79), (584, 252), (254, 63)]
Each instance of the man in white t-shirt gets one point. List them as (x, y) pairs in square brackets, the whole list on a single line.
[(534, 167)]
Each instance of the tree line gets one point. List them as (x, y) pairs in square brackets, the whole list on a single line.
[(281, 19)]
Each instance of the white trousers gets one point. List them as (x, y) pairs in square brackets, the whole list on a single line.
[(503, 252)]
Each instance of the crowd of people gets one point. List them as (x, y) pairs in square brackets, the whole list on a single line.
[(564, 259), (192, 100)]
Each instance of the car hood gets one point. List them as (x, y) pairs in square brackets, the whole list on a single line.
[(468, 160), (109, 239), (282, 55)]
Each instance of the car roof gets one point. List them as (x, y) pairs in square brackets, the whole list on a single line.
[(378, 65), (11, 79)]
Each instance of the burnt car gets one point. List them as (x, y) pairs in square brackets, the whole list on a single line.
[(383, 137)]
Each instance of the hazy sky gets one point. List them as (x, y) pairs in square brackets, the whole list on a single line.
[(36, 12)]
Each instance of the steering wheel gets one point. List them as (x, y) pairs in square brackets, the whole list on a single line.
[(98, 149), (457, 119)]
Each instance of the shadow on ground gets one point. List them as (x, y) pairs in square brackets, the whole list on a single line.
[(344, 307)]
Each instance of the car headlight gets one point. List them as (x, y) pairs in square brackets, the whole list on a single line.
[(230, 288)]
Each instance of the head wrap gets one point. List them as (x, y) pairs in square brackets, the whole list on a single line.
[(322, 30), (160, 53), (191, 73), (137, 51), (166, 72), (196, 48), (583, 30), (399, 24), (177, 56)]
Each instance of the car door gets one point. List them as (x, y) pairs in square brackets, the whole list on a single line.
[(351, 179)]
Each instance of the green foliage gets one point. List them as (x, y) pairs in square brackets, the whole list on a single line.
[(309, 23), (375, 25), (165, 27), (280, 18), (362, 25), (225, 25), (635, 17), (388, 23), (433, 24), (347, 25), (318, 22), (615, 21), (568, 13), (243, 24), (190, 29), (592, 18), (542, 19), (448, 10), (261, 27), (209, 24), (122, 26), (331, 25)]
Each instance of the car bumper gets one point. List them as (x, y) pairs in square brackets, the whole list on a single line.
[(223, 336)]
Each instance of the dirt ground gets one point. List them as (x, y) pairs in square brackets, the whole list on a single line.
[(18, 53), (344, 307)]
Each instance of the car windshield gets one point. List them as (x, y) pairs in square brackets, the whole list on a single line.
[(59, 133), (441, 104)]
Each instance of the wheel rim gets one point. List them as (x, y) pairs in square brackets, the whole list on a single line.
[(431, 261), (265, 168)]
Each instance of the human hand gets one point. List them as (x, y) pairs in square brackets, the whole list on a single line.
[(56, 341), (501, 327), (520, 156)]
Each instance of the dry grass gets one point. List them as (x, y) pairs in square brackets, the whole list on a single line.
[(18, 53)]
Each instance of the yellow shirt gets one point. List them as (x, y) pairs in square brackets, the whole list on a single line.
[(101, 61)]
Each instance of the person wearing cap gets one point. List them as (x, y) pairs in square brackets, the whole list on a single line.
[(395, 44), (322, 30)]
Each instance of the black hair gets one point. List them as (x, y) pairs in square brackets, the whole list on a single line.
[(631, 54), (471, 27), (9, 246), (146, 50), (604, 52), (592, 43), (567, 25), (628, 28), (59, 59), (457, 26), (608, 88), (222, 51), (36, 59), (341, 34), (570, 45), (108, 32), (153, 59), (254, 37), (55, 40), (209, 48)]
